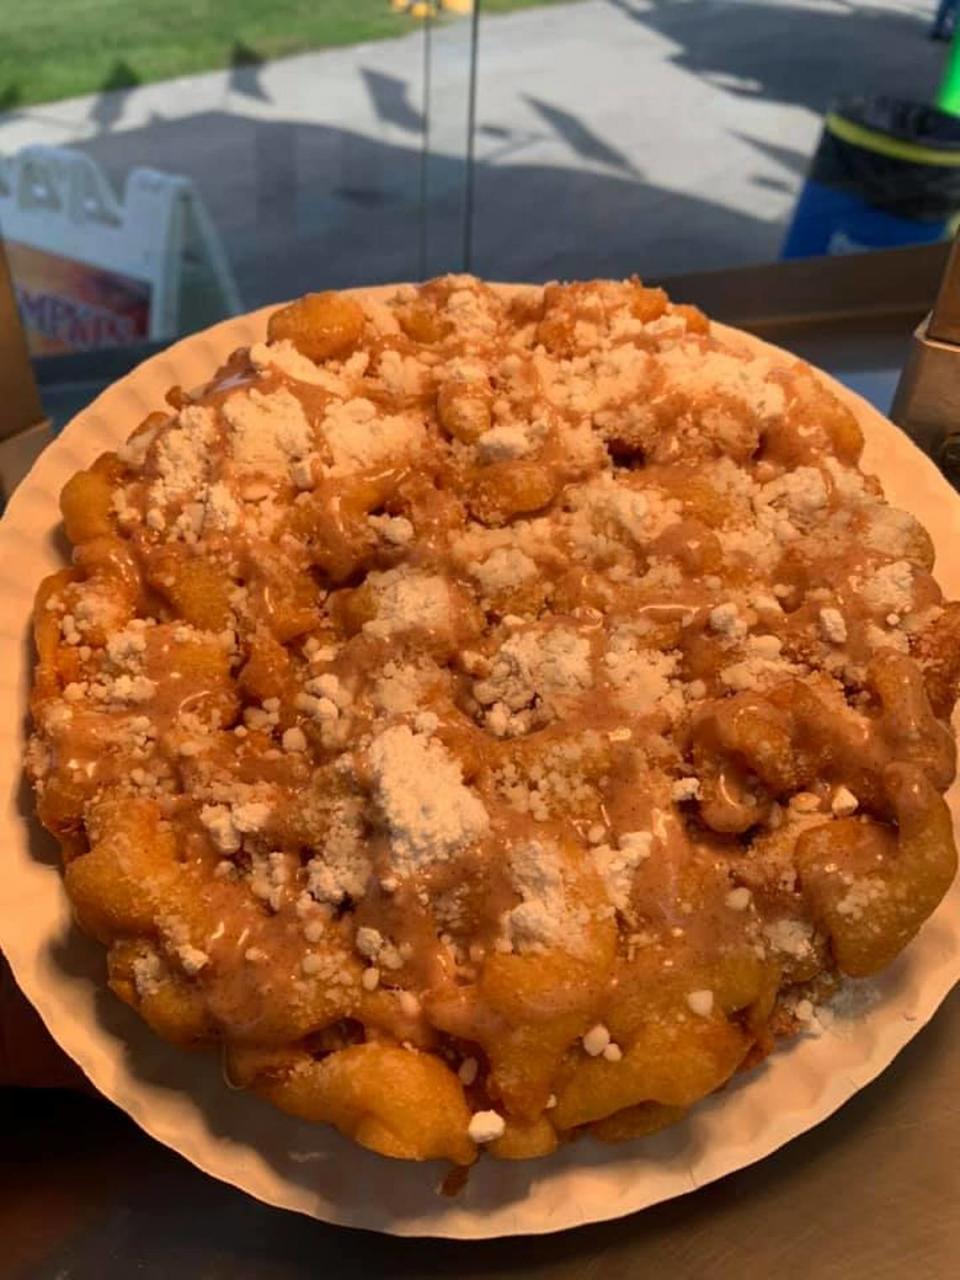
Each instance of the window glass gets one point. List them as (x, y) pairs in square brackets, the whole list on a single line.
[(166, 164)]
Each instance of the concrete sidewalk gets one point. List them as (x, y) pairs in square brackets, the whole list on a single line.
[(613, 135)]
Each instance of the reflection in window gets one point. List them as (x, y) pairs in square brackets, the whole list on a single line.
[(180, 163)]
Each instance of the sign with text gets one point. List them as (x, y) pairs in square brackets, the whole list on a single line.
[(67, 305), (92, 270)]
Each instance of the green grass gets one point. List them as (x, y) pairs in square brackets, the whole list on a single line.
[(52, 49)]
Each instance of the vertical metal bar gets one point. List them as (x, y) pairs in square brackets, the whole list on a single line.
[(425, 150), (468, 189)]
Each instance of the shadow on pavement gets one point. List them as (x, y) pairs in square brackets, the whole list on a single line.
[(391, 100), (579, 136), (245, 68), (789, 54), (793, 161), (114, 92), (302, 206)]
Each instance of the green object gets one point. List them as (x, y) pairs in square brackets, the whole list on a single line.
[(948, 99)]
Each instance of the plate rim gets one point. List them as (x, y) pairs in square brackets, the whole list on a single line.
[(42, 484)]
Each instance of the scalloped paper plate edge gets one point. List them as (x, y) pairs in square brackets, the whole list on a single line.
[(181, 1100)]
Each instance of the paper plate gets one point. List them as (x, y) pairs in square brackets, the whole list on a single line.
[(181, 1098)]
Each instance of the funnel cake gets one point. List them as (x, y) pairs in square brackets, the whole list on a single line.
[(493, 715)]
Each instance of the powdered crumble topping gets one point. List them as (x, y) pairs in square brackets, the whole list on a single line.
[(482, 678), (428, 810)]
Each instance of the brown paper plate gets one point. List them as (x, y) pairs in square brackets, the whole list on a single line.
[(181, 1098)]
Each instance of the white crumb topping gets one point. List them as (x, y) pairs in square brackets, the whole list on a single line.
[(401, 687), (760, 666), (182, 456), (802, 493), (596, 1040), (547, 916), (793, 937), (685, 789), (250, 817), (284, 357), (503, 570), (847, 481), (707, 372), (617, 867), (843, 802), (602, 507), (268, 431), (878, 639), (725, 620), (409, 1004), (147, 973), (861, 894), (428, 810), (192, 958), (502, 443), (406, 599), (395, 530), (486, 1126), (642, 678), (548, 665), (700, 1003), (219, 823), (360, 436), (889, 587), (404, 376), (134, 452), (376, 948), (379, 315), (833, 626), (126, 647), (890, 531), (475, 312), (341, 868)]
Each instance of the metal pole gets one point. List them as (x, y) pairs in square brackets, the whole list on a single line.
[(425, 150), (471, 130)]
